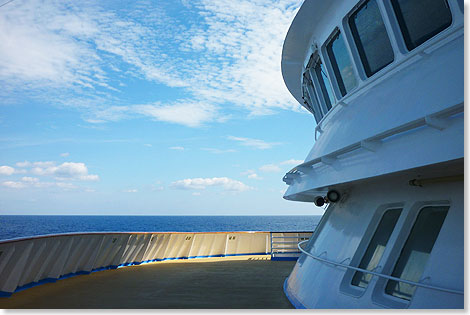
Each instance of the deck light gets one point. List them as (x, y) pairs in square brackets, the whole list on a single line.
[(333, 196), (319, 201)]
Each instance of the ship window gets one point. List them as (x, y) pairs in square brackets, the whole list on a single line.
[(370, 36), (376, 247), (420, 20), (416, 251), (341, 63), (324, 83), (310, 97)]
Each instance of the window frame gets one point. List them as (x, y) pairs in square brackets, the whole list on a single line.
[(355, 40), (319, 85), (379, 296), (346, 287), (334, 71), (400, 31), (309, 90)]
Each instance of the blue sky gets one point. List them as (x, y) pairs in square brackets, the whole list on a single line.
[(148, 107)]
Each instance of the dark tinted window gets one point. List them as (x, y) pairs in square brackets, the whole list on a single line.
[(310, 97), (421, 19), (376, 247), (371, 37), (341, 63), (415, 253), (324, 83)]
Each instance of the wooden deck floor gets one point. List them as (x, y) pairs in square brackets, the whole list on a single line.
[(205, 283)]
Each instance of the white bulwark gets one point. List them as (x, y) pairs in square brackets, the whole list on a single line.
[(384, 80)]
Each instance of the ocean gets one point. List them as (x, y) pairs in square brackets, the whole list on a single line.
[(15, 226)]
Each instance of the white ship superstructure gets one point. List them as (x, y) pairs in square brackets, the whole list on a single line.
[(384, 80)]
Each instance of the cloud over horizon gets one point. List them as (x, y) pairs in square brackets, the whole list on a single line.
[(225, 183)]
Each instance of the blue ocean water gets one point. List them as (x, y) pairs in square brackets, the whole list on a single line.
[(14, 226)]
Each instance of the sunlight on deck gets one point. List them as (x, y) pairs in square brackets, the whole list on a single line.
[(244, 282)]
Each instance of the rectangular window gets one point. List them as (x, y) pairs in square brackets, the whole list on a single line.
[(420, 20), (415, 253), (376, 247), (325, 86), (341, 63), (310, 97), (371, 38)]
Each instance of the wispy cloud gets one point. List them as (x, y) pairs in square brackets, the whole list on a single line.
[(13, 184), (251, 174), (292, 162), (177, 148), (223, 57), (65, 154), (225, 183), (130, 190), (218, 151), (65, 171), (270, 168), (254, 143)]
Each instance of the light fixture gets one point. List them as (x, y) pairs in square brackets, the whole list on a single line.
[(333, 196)]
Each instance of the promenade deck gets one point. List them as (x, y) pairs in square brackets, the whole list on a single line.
[(214, 283)]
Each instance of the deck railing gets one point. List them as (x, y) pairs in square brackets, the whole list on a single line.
[(28, 262), (284, 244)]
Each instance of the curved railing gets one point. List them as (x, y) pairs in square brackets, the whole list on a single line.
[(31, 261), (418, 284), (28, 262)]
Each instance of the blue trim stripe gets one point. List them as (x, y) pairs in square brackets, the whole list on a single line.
[(284, 258), (292, 299), (69, 275)]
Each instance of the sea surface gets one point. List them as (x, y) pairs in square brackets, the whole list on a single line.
[(15, 226)]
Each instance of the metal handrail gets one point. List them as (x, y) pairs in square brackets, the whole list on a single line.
[(381, 275)]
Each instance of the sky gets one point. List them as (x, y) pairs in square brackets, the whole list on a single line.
[(148, 108)]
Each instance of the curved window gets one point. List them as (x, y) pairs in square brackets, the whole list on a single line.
[(420, 20), (341, 63), (371, 38)]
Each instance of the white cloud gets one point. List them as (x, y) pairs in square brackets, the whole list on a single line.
[(130, 190), (65, 154), (196, 194), (252, 174), (218, 151), (13, 184), (184, 113), (202, 183), (44, 164), (32, 182), (64, 171), (177, 148), (270, 168), (23, 164), (292, 162), (255, 176), (29, 179), (255, 143), (225, 57), (6, 170)]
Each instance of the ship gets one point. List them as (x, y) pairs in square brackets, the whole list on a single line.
[(384, 81)]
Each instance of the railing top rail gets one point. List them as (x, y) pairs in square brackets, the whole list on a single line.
[(123, 233)]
